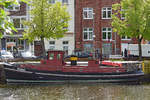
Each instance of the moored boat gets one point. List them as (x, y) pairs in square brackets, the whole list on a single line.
[(54, 69)]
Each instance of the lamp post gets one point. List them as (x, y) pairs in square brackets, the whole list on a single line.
[(128, 50), (115, 43), (94, 56)]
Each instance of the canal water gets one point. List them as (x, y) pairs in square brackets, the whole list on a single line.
[(89, 91)]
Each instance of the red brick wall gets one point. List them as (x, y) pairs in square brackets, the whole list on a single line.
[(99, 23), (21, 12)]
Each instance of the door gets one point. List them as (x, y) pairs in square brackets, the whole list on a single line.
[(106, 49), (37, 48), (123, 47)]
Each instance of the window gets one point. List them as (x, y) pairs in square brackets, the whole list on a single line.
[(58, 56), (18, 43), (122, 14), (88, 13), (65, 49), (51, 1), (125, 38), (65, 1), (88, 47), (65, 42), (106, 13), (21, 44), (88, 34), (18, 23), (11, 40), (65, 28), (52, 45), (107, 33), (65, 46), (51, 56), (13, 8)]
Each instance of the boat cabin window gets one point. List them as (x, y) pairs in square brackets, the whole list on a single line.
[(58, 56), (51, 57)]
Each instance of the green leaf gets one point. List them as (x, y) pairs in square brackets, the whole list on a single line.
[(48, 21), (137, 19)]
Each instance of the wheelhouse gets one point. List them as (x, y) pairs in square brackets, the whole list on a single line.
[(54, 58)]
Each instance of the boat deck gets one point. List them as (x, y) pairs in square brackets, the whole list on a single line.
[(86, 64)]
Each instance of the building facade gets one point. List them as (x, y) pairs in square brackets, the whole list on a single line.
[(90, 29), (67, 43), (17, 14), (93, 30)]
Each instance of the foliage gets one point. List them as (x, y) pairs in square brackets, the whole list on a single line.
[(47, 21), (137, 19), (5, 23)]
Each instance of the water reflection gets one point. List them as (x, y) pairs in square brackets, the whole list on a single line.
[(75, 92)]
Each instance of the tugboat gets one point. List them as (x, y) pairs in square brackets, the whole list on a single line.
[(54, 69)]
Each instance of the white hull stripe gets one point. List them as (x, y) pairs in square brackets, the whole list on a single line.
[(65, 75), (102, 76), (19, 70)]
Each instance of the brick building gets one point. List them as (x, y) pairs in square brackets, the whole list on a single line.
[(93, 28)]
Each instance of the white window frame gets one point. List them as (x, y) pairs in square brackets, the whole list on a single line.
[(126, 38), (88, 33), (13, 8), (106, 10), (89, 12), (65, 45), (14, 40), (19, 44), (107, 31), (52, 46), (19, 17)]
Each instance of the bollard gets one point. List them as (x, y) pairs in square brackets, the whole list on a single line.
[(143, 67), (73, 60)]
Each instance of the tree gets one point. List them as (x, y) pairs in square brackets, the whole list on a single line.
[(48, 21), (137, 20), (5, 23)]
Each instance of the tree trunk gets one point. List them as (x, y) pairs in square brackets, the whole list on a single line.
[(140, 48), (42, 29), (43, 48)]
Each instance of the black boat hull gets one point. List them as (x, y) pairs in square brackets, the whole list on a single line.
[(18, 75)]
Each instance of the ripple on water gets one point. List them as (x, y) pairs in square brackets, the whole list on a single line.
[(76, 92)]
